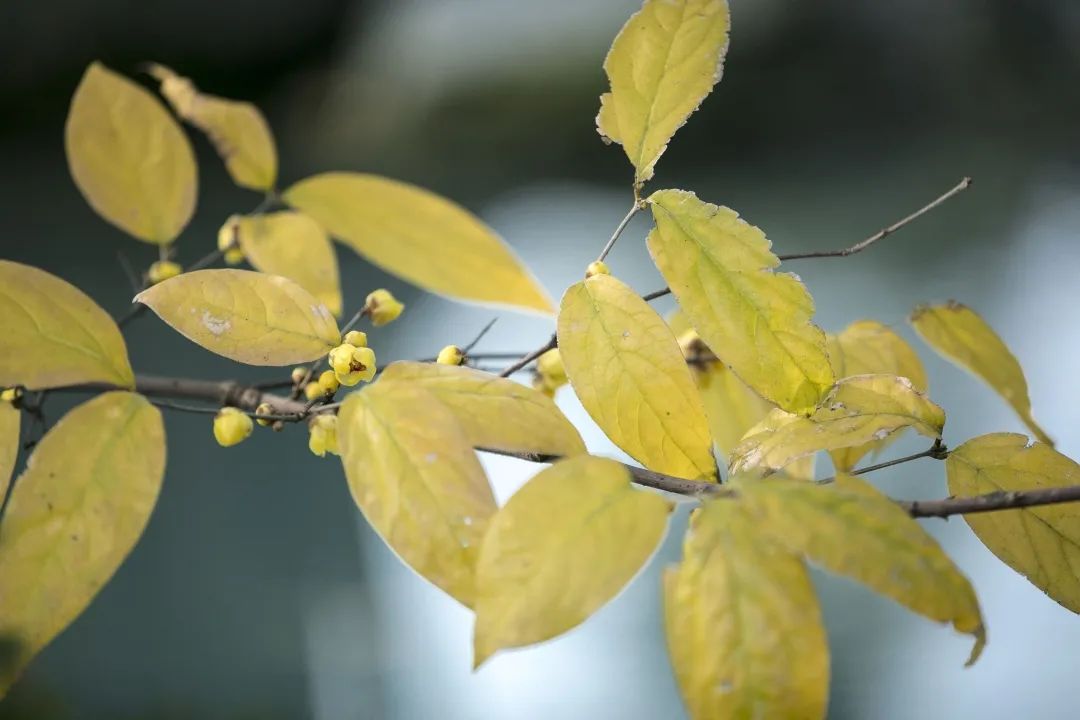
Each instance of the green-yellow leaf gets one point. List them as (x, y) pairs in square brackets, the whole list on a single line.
[(564, 545), (292, 245), (960, 335), (414, 474), (55, 335), (859, 409), (732, 407), (629, 374), (74, 515), (664, 61), (851, 529), (757, 322), (246, 316), (493, 412), (238, 130), (129, 158), (743, 626), (420, 237), (869, 347), (9, 444), (1041, 543)]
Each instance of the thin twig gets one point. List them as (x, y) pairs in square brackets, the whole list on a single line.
[(862, 244), (884, 232), (549, 345), (938, 451), (479, 336), (619, 230), (247, 399)]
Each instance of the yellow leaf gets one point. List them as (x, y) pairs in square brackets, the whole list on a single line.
[(868, 347), (1041, 543), (54, 335), (663, 63), (418, 482), (9, 444), (858, 410), (74, 515), (732, 407), (564, 545), (960, 335), (419, 236), (293, 245), (129, 158), (629, 374), (756, 321), (493, 412), (851, 529), (743, 626), (238, 130), (246, 316)]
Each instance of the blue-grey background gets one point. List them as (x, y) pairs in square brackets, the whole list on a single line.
[(258, 591)]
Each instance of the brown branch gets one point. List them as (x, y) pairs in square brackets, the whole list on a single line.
[(964, 184), (549, 345), (248, 398)]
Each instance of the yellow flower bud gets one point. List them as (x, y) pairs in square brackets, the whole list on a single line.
[(328, 382), (550, 365), (264, 409), (235, 256), (341, 357), (298, 375), (450, 355), (11, 394), (597, 267), (361, 367), (323, 434), (229, 235), (231, 426), (539, 382), (355, 338), (382, 307), (313, 391), (162, 270)]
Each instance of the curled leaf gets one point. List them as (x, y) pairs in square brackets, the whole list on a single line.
[(858, 410), (867, 347), (245, 316), (238, 130)]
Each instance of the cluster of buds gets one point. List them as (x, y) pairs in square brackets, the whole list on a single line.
[(550, 373), (322, 437), (352, 361)]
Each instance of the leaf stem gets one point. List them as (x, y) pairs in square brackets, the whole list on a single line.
[(619, 230)]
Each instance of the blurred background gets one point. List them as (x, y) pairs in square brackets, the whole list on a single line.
[(259, 592)]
